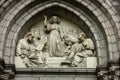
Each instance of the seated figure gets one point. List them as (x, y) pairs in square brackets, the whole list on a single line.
[(29, 52), (87, 50), (73, 46), (79, 50)]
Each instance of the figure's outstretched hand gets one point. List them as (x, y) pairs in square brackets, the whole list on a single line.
[(45, 21), (22, 56), (45, 16)]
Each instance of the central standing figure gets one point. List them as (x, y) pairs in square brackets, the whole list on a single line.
[(55, 43)]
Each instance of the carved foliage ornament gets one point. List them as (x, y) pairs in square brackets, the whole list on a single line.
[(112, 74), (6, 74)]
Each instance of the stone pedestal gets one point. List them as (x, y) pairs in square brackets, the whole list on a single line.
[(91, 62), (19, 63)]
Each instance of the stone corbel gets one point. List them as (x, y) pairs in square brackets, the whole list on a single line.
[(7, 72)]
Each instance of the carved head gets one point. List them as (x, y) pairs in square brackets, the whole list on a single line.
[(30, 37), (54, 19), (82, 36)]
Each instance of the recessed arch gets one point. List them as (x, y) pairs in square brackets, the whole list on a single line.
[(81, 16), (109, 42)]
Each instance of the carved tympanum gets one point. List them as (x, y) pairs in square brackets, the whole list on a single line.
[(62, 47)]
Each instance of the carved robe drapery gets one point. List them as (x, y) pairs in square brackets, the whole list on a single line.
[(28, 53)]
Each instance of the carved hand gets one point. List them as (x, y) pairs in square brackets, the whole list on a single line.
[(45, 17), (22, 56)]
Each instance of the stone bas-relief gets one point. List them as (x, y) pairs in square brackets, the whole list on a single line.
[(55, 44), (58, 48), (30, 50)]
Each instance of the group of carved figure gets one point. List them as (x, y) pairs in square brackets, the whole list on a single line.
[(35, 48)]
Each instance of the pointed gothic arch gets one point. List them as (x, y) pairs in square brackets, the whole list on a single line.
[(99, 16)]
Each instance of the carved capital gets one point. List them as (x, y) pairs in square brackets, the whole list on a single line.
[(7, 75), (7, 72), (112, 72), (102, 73)]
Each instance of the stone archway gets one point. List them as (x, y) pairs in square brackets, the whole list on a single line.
[(99, 16)]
